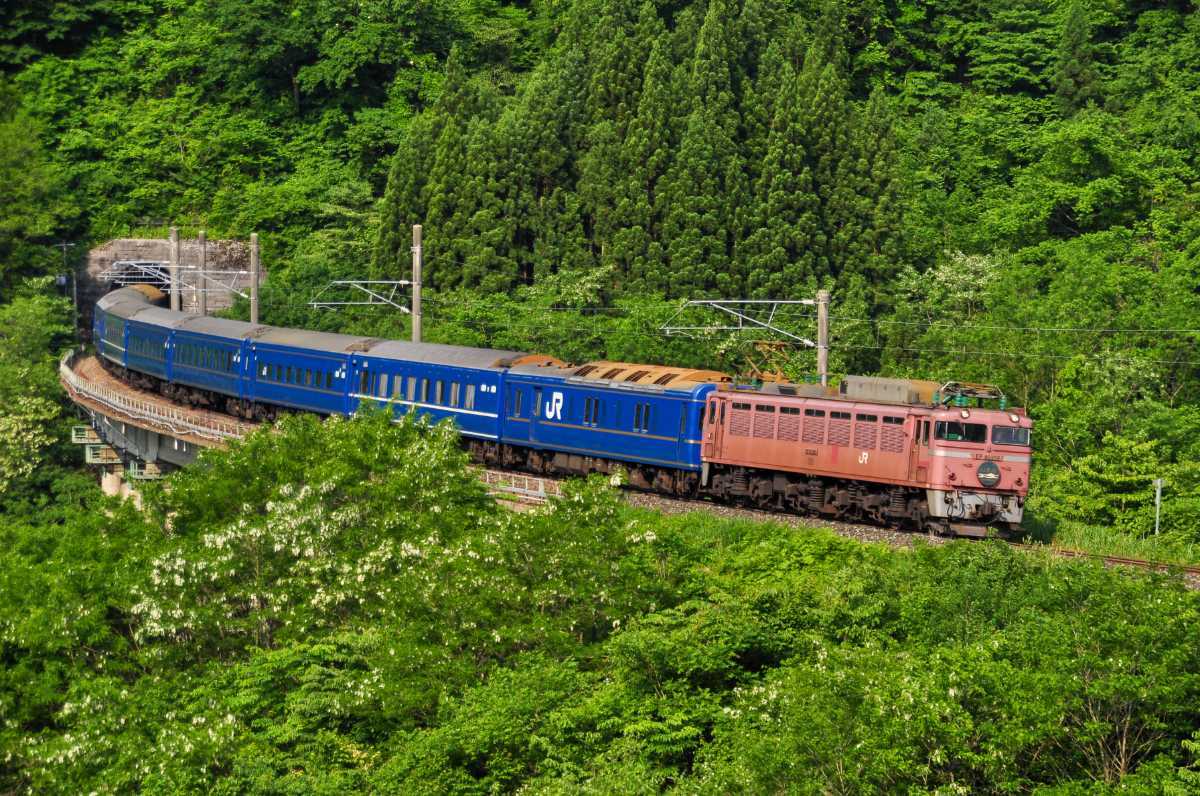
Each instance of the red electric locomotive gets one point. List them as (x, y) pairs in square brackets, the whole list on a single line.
[(892, 450)]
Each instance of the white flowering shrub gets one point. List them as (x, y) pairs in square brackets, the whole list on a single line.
[(301, 527)]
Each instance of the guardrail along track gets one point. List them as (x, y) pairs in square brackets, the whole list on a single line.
[(149, 410)]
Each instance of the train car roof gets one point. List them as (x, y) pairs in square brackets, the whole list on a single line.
[(625, 375), (157, 316), (454, 355), (316, 341), (220, 327), (124, 303)]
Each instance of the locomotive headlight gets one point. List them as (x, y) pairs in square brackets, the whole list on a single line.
[(1014, 418), (965, 413), (988, 474)]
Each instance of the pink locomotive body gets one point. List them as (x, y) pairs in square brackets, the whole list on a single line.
[(914, 454)]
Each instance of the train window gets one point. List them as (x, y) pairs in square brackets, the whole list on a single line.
[(745, 407), (895, 421), (722, 414), (839, 415), (537, 401), (424, 391), (637, 417), (646, 417), (587, 410), (925, 433), (1010, 435), (712, 412), (364, 382), (290, 378), (789, 410), (397, 387), (814, 413), (329, 379), (954, 431), (279, 373), (867, 418), (682, 422), (264, 371), (440, 393), (469, 400), (517, 393), (763, 408), (454, 393)]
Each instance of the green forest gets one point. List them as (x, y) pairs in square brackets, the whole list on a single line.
[(1002, 191)]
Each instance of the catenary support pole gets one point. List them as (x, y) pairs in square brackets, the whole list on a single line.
[(823, 336), (1158, 485), (416, 284), (201, 282), (174, 268), (254, 274)]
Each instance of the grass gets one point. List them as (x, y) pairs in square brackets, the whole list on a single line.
[(1104, 541)]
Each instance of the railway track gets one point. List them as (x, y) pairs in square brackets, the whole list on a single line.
[(87, 380), (535, 489)]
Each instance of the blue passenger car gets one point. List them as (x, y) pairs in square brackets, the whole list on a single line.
[(649, 424), (210, 353), (148, 340), (302, 369), (441, 381), (110, 325)]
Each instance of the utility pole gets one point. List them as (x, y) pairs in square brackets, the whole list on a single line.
[(74, 287), (201, 277), (416, 284), (174, 266), (823, 336), (1158, 485), (254, 268)]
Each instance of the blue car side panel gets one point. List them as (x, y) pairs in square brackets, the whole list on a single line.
[(298, 378), (206, 361), (651, 427), (468, 396)]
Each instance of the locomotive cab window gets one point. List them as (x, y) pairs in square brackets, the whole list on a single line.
[(1010, 435), (954, 431)]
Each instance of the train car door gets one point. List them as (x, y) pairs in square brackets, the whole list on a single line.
[(919, 470), (535, 414), (714, 422), (515, 410)]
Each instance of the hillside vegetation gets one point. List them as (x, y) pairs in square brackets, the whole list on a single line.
[(1002, 192)]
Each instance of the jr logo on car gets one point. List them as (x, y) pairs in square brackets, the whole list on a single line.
[(554, 406)]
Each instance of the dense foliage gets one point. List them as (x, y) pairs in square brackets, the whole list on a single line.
[(1001, 192), (338, 606)]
